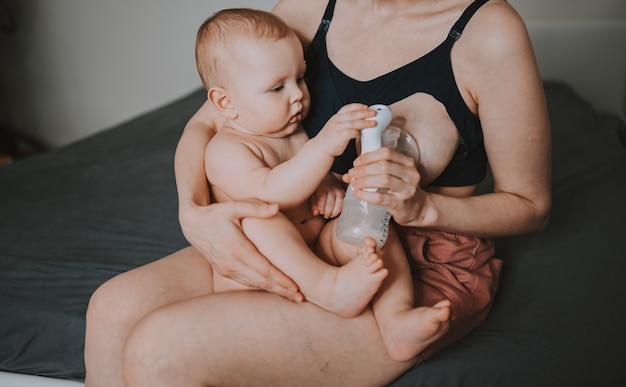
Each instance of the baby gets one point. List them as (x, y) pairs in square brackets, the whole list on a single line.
[(252, 65)]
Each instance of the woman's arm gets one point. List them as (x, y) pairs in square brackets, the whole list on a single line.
[(215, 229), (191, 183), (504, 84)]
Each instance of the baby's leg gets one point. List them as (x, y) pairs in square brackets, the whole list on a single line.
[(345, 290), (405, 329)]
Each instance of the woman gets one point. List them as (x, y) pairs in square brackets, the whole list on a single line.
[(461, 77)]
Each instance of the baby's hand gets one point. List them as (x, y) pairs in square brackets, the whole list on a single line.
[(345, 125), (327, 200)]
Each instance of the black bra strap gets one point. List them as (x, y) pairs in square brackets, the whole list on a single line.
[(328, 16), (455, 32), (459, 26)]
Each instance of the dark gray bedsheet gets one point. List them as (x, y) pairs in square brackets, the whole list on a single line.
[(558, 319), (72, 218)]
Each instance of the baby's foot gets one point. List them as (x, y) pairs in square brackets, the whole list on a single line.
[(409, 332), (357, 282)]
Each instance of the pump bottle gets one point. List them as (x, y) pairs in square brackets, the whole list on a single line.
[(360, 219)]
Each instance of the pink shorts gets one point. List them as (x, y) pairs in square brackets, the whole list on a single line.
[(455, 267)]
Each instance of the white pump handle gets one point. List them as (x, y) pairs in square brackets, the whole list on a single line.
[(371, 137)]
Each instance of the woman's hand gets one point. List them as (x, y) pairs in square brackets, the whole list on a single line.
[(397, 181), (215, 230)]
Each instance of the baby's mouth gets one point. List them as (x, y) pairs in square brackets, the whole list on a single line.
[(296, 118)]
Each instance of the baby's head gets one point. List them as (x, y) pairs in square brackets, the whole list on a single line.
[(252, 65), (221, 32)]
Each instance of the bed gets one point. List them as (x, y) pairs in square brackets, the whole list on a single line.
[(74, 217)]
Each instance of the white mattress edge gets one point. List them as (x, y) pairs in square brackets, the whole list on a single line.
[(9, 379)]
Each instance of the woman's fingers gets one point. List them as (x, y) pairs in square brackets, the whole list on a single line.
[(233, 256), (388, 171)]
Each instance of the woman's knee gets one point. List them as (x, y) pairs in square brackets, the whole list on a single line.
[(106, 304), (114, 308), (131, 295)]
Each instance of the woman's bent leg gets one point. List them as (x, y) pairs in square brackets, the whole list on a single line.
[(256, 338), (459, 268), (122, 301)]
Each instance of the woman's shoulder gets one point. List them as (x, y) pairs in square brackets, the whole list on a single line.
[(494, 49), (303, 16), (497, 25), (495, 36)]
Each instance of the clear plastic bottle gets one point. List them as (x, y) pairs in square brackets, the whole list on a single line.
[(360, 219)]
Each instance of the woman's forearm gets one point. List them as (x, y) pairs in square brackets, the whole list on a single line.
[(490, 215), (191, 180)]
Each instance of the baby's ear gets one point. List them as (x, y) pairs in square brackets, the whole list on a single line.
[(220, 97)]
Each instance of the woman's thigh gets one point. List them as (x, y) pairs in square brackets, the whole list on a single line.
[(179, 276), (117, 305), (256, 338)]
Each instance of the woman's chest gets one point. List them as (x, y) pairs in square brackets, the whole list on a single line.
[(437, 137)]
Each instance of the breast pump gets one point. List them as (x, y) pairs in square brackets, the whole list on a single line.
[(360, 219)]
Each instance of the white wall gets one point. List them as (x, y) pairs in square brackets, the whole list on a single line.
[(583, 43), (599, 10), (74, 67)]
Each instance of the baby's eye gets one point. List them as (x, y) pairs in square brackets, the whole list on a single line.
[(277, 89), (301, 79)]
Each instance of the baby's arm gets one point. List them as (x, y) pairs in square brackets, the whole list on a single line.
[(237, 170), (247, 175), (311, 164)]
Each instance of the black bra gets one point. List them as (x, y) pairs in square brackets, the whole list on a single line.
[(432, 74)]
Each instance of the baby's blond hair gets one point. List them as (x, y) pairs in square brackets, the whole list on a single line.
[(219, 33)]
